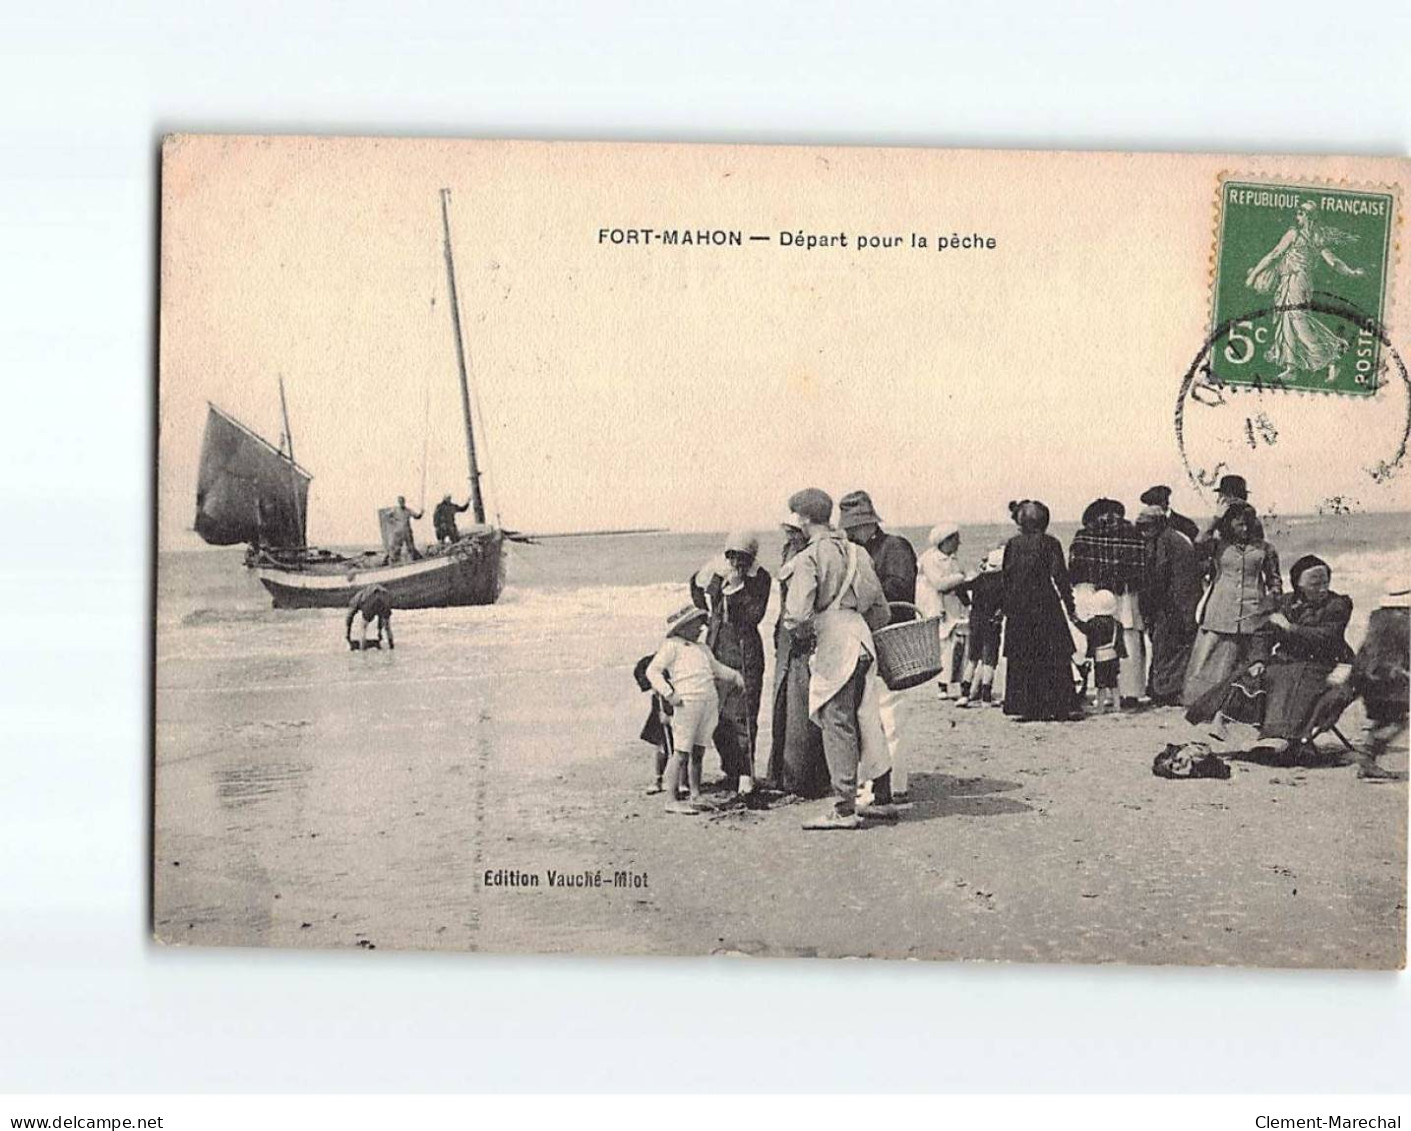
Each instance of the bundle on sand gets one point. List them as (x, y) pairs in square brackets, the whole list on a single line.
[(1189, 760)]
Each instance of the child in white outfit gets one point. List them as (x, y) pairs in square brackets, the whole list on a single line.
[(684, 673)]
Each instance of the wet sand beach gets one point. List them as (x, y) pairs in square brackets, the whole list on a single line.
[(308, 796)]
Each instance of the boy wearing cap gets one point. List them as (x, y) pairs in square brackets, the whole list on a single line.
[(1160, 497), (684, 673), (834, 596)]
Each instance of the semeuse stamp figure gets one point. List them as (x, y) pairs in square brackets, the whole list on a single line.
[(1287, 257)]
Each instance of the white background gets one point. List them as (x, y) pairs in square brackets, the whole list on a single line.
[(86, 1003)]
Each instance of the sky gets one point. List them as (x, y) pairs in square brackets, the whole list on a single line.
[(623, 385)]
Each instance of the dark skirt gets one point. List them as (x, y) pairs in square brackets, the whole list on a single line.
[(1039, 686), (1294, 689), (737, 735), (1171, 638), (796, 762), (1038, 648)]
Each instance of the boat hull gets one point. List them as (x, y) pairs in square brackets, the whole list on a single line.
[(471, 572)]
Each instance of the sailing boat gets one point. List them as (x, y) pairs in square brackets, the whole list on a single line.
[(250, 491), (247, 490)]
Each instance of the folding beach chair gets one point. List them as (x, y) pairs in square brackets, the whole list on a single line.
[(1326, 714)]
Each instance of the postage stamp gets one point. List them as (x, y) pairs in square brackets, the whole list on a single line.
[(1301, 276)]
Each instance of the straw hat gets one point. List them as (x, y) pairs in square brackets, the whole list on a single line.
[(683, 618), (856, 509), (1104, 603)]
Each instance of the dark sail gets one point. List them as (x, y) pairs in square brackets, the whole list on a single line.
[(247, 490)]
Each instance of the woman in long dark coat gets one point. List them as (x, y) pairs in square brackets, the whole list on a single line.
[(734, 589), (1038, 605), (796, 761)]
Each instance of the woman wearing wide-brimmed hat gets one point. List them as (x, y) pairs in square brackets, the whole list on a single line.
[(734, 590)]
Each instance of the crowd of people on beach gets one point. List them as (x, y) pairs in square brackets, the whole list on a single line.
[(1153, 612)]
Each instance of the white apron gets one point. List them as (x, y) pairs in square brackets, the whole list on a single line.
[(843, 636)]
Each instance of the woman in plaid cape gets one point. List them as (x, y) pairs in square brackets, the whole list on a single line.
[(1110, 553)]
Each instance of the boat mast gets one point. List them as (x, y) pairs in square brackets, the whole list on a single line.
[(293, 473), (476, 502)]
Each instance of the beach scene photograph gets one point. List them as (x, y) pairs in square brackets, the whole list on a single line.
[(781, 552)]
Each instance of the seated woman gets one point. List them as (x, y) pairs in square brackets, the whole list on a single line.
[(1302, 643)]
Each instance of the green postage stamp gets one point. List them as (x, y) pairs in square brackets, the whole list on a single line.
[(1300, 286)]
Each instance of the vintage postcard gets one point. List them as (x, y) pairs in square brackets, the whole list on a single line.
[(782, 551)]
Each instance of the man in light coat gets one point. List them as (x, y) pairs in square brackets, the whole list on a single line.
[(834, 595)]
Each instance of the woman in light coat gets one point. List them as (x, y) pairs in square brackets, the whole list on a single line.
[(1244, 589)]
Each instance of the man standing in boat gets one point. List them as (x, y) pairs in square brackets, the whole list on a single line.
[(399, 520), (375, 603), (444, 519)]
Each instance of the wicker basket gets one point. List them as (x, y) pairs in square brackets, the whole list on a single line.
[(909, 654)]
